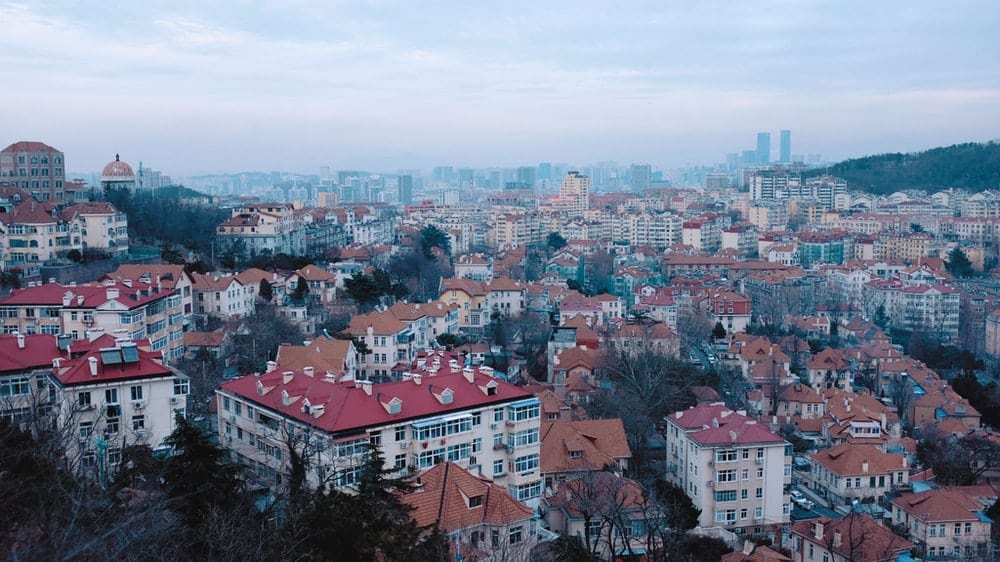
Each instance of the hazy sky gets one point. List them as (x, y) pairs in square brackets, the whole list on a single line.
[(192, 87)]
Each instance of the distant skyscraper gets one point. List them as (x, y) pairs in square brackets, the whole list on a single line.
[(576, 187), (785, 152), (405, 189), (641, 174), (763, 148), (545, 171), (749, 157), (526, 176)]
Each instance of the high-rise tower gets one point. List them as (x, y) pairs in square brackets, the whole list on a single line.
[(785, 150), (763, 148), (576, 188)]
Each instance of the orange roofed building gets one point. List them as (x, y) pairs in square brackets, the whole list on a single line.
[(478, 516)]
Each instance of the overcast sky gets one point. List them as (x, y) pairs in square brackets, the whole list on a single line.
[(193, 87)]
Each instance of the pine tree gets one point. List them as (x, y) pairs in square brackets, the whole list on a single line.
[(958, 263), (265, 291)]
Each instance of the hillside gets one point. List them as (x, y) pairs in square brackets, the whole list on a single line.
[(971, 166)]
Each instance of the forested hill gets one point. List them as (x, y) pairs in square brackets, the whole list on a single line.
[(971, 166)]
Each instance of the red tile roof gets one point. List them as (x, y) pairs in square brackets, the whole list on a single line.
[(113, 362), (87, 296), (444, 495), (347, 408), (38, 351), (29, 146), (571, 446)]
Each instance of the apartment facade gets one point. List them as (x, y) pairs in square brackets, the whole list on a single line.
[(111, 394), (735, 470), (946, 523), (442, 412), (126, 309)]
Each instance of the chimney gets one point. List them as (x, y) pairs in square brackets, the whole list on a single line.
[(271, 365), (56, 361), (127, 282), (111, 293), (308, 371), (836, 539), (20, 341), (285, 398), (864, 466), (416, 379), (93, 366), (469, 374), (79, 300), (366, 387), (286, 377), (818, 528)]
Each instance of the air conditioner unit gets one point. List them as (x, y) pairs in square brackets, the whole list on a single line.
[(711, 463), (404, 444), (760, 461), (510, 423), (174, 400), (229, 438), (758, 519), (510, 449), (710, 483), (141, 434), (138, 405), (494, 425)]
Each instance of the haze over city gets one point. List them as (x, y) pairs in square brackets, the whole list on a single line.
[(204, 87)]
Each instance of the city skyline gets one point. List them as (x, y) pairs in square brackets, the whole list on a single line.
[(207, 88)]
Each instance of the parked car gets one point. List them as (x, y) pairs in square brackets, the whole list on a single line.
[(799, 499)]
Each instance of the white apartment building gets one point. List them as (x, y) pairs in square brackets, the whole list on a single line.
[(222, 296), (734, 469), (110, 395), (126, 309), (440, 412)]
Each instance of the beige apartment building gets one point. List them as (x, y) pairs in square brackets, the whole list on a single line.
[(734, 469)]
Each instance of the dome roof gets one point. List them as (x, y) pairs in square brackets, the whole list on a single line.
[(117, 170)]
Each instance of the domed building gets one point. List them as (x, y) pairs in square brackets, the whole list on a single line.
[(118, 174)]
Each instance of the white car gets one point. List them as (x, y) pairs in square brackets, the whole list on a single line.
[(800, 500)]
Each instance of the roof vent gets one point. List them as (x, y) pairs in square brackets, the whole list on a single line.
[(93, 366)]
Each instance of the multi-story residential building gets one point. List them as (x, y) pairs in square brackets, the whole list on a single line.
[(476, 515), (472, 299), (322, 284), (607, 513), (933, 309), (849, 472), (441, 412), (702, 233), (856, 537), (389, 340), (99, 226), (36, 167), (35, 233), (506, 297), (475, 267), (731, 309), (742, 238), (124, 309), (771, 215), (259, 229), (571, 449), (516, 229), (575, 190), (946, 524), (735, 470), (172, 277), (111, 394), (222, 296), (24, 370)]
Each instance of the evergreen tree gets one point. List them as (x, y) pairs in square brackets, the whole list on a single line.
[(392, 525), (265, 291), (197, 477), (959, 264), (719, 331)]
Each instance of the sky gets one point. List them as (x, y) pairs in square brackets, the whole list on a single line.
[(203, 87)]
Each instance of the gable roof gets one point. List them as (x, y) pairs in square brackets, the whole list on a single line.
[(443, 498), (38, 352), (598, 443), (112, 361), (849, 460)]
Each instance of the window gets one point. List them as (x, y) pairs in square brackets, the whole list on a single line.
[(760, 453), (522, 438), (725, 476), (226, 404), (725, 496), (725, 515), (400, 434), (111, 396), (526, 412), (514, 536), (477, 418), (528, 491), (758, 512), (400, 462), (760, 492), (83, 399), (138, 422), (15, 386), (497, 440), (744, 494), (725, 456), (760, 473), (86, 428), (497, 467), (136, 392), (526, 463)]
